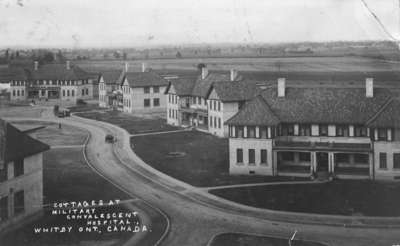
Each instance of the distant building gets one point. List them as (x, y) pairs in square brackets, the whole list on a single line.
[(208, 101), (21, 175), (109, 86), (59, 83), (143, 92), (303, 131)]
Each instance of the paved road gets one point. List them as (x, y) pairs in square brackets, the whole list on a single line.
[(194, 222)]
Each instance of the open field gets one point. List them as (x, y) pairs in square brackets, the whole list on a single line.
[(340, 197), (53, 135), (237, 239), (303, 64), (196, 158), (129, 122)]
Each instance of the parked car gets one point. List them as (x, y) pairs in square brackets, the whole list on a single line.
[(110, 138), (63, 113)]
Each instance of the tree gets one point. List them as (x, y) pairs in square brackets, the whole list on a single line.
[(178, 55), (124, 56), (47, 57)]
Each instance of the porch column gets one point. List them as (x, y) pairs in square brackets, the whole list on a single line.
[(371, 165), (331, 162), (274, 163), (313, 161)]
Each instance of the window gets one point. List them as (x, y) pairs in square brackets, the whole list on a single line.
[(73, 93), (288, 156), (239, 155), (342, 130), (3, 208), (83, 92), (219, 106), (19, 202), (13, 93), (360, 131), (287, 130), (18, 167), (323, 130), (361, 158), (252, 156), (342, 158), (18, 93), (156, 89), (382, 134), (156, 102), (146, 90), (211, 119), (146, 102), (382, 160), (305, 130), (263, 132), (263, 156), (67, 93), (240, 131), (396, 160), (251, 132), (304, 157), (87, 91), (215, 105), (3, 173), (169, 98), (219, 123)]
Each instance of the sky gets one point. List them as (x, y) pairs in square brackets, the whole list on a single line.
[(130, 23)]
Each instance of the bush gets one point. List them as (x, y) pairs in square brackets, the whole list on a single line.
[(80, 102)]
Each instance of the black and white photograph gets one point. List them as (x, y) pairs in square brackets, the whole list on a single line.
[(200, 123)]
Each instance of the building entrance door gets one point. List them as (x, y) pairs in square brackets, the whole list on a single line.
[(322, 162)]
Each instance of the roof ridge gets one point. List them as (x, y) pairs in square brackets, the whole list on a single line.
[(384, 106)]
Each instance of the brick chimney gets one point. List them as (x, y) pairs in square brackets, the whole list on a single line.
[(234, 74), (369, 87), (143, 67), (35, 65), (204, 72), (281, 87), (126, 67), (68, 65)]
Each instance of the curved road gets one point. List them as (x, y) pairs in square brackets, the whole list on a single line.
[(193, 222)]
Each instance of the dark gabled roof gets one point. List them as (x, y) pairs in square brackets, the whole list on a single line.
[(387, 116), (320, 105), (255, 112), (112, 76), (233, 91), (325, 105), (15, 144), (182, 86), (12, 73), (58, 72), (142, 79), (202, 86)]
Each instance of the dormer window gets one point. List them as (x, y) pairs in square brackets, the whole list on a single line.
[(146, 90), (239, 131)]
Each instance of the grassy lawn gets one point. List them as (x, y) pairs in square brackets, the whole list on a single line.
[(236, 239), (196, 158), (68, 178), (129, 122), (342, 197), (53, 135), (84, 108)]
